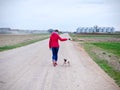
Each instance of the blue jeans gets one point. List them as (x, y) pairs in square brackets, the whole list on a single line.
[(55, 53)]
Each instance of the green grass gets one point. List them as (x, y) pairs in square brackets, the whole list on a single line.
[(111, 72), (103, 64), (3, 48), (113, 47)]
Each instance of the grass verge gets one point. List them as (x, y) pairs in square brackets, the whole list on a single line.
[(103, 64), (113, 47), (3, 48)]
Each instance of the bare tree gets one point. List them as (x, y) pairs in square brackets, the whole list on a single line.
[(96, 28)]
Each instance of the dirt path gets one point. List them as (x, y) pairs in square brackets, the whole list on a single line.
[(30, 68)]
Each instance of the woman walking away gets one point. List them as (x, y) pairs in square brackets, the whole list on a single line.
[(54, 45)]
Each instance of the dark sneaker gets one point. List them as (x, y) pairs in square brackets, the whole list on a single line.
[(56, 64)]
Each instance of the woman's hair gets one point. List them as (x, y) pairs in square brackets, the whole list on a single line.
[(56, 30)]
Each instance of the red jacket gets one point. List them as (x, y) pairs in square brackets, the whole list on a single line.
[(53, 42)]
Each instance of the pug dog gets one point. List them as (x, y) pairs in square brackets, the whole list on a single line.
[(66, 62)]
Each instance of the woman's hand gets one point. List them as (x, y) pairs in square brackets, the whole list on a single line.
[(69, 39)]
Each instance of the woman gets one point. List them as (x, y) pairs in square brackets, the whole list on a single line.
[(54, 45)]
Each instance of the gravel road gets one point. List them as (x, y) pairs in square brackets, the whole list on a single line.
[(30, 68)]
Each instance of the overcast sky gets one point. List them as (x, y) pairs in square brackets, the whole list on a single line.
[(65, 15)]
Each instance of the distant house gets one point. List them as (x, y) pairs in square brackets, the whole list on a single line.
[(95, 29)]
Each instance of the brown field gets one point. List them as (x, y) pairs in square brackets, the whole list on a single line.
[(98, 38), (6, 40)]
